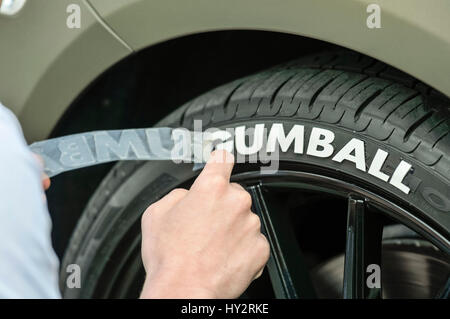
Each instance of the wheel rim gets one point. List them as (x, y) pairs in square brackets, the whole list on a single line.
[(287, 270)]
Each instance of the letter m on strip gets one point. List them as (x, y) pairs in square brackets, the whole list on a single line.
[(128, 141)]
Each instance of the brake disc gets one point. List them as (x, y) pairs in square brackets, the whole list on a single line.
[(412, 268)]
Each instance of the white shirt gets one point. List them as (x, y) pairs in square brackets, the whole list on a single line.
[(28, 263)]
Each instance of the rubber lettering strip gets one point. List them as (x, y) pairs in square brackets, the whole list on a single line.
[(71, 152)]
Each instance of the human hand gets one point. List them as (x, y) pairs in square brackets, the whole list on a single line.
[(205, 242), (44, 177), (46, 181)]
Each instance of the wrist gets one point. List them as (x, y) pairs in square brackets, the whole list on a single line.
[(174, 287)]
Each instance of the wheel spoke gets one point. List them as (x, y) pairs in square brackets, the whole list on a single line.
[(445, 291), (363, 249), (287, 270)]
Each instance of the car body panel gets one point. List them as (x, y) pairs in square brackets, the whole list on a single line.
[(39, 86), (45, 65)]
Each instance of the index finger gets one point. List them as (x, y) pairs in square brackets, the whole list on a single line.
[(220, 163)]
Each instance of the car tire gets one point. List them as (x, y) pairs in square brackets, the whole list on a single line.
[(351, 95)]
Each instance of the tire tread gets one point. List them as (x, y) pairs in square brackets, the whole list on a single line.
[(345, 88)]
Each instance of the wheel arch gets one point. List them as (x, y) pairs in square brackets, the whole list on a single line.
[(404, 40)]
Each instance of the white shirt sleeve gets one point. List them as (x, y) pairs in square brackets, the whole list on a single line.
[(28, 263)]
